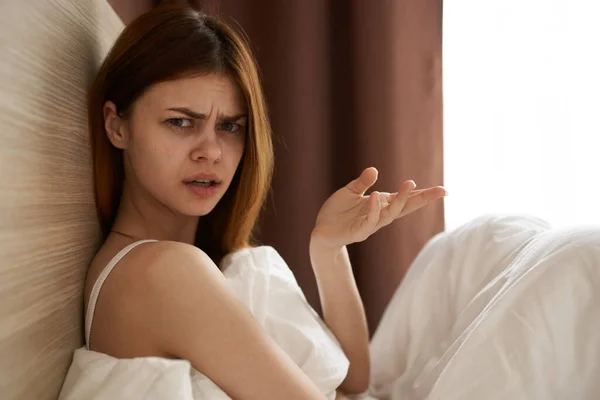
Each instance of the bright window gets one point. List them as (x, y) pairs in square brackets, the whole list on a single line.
[(522, 109)]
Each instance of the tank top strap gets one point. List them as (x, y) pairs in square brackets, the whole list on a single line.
[(98, 286)]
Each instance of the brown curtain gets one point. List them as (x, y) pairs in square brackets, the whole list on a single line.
[(350, 84)]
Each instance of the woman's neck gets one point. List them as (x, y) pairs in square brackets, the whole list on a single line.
[(143, 217)]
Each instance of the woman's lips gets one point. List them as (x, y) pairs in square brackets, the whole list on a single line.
[(204, 191)]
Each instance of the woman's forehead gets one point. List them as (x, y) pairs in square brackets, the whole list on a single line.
[(196, 92)]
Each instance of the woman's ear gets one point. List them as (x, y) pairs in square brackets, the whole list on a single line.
[(114, 126)]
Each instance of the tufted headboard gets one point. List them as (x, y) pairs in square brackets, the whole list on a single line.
[(49, 52)]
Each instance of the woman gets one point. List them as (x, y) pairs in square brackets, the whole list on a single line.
[(182, 163)]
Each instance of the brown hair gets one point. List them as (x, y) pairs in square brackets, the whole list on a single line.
[(167, 43)]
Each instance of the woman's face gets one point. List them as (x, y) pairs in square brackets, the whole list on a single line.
[(183, 141)]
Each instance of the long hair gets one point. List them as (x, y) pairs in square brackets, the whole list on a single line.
[(167, 43)]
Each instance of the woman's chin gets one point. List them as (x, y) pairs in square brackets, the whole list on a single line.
[(199, 210)]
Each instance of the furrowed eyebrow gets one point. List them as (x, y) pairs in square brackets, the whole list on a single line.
[(196, 115), (232, 118), (188, 112)]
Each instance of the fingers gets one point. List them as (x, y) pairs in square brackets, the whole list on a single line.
[(418, 200), (408, 200), (397, 205), (432, 193), (436, 191), (385, 207), (374, 210), (391, 196), (366, 179), (429, 194)]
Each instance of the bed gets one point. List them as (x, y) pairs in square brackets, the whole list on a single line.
[(504, 307)]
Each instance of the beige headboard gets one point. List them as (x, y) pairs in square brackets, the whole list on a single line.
[(49, 52)]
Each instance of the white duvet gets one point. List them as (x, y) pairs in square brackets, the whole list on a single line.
[(501, 308)]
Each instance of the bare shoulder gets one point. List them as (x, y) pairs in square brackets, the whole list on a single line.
[(147, 285), (145, 261), (171, 271), (156, 272), (170, 300), (165, 258)]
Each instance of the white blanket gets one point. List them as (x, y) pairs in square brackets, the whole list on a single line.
[(501, 308)]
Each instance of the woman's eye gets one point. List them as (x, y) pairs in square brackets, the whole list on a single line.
[(231, 127), (180, 123)]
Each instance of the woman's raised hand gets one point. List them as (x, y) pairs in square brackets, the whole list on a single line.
[(348, 216)]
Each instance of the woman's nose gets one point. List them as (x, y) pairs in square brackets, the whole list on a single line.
[(207, 147)]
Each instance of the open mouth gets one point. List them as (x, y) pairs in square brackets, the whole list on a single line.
[(203, 183)]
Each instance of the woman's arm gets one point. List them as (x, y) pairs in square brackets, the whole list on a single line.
[(343, 311), (187, 310), (348, 216)]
